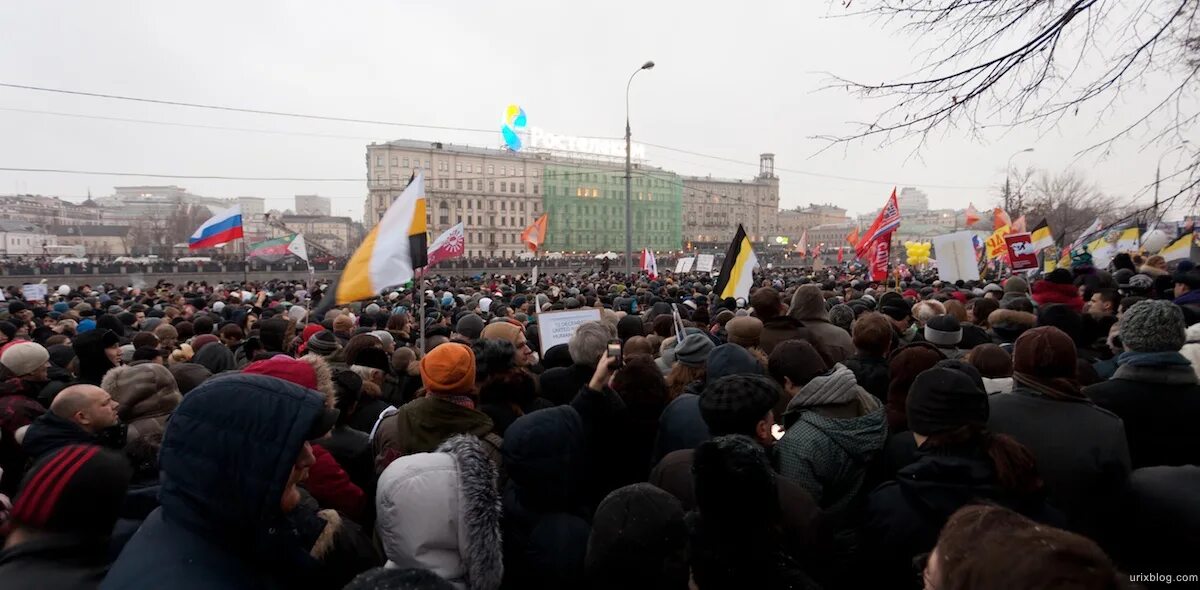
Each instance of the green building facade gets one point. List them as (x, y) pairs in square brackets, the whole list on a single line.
[(586, 208)]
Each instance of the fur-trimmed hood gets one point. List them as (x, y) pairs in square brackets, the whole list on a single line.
[(144, 391), (1008, 324), (324, 377), (441, 511)]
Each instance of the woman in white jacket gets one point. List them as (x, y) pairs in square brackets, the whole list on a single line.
[(440, 511)]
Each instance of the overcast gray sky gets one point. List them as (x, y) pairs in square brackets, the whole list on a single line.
[(733, 80)]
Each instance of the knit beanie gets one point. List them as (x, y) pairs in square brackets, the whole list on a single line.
[(842, 316), (1060, 276), (693, 350), (286, 368), (894, 306), (61, 355), (78, 489), (470, 326), (1017, 285), (944, 331), (323, 343), (731, 359), (8, 329), (735, 404), (449, 369), (189, 375), (942, 399), (1045, 352), (744, 331), (203, 340), (1153, 326), (374, 358), (503, 330), (23, 358), (638, 533)]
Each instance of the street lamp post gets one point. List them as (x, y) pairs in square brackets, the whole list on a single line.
[(1007, 170), (629, 178), (1158, 174)]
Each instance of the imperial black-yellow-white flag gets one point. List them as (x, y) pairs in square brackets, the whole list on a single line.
[(737, 271), (392, 251)]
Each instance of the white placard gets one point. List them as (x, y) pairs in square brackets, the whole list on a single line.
[(955, 254), (556, 327), (704, 263), (684, 265), (34, 292)]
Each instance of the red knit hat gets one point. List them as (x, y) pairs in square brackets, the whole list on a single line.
[(289, 369), (309, 331), (449, 369)]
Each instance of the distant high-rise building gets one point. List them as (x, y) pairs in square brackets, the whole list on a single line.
[(312, 205), (912, 200)]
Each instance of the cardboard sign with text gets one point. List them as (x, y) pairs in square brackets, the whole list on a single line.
[(704, 263), (34, 292), (684, 265), (556, 327), (1021, 255)]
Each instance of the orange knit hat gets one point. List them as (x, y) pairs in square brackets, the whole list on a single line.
[(449, 369)]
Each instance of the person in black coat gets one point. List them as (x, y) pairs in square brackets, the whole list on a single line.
[(231, 461), (873, 339), (958, 463), (1154, 389), (587, 345), (62, 518), (96, 351), (1161, 520), (351, 448)]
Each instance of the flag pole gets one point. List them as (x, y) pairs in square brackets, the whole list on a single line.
[(245, 262), (420, 283)]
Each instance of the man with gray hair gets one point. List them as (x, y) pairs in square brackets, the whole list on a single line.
[(1154, 389), (588, 343)]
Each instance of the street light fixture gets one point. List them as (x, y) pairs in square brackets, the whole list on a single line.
[(1007, 170), (1158, 173), (629, 178)]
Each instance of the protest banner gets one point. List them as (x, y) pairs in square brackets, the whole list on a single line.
[(684, 265), (704, 263), (955, 254), (556, 327), (1021, 255)]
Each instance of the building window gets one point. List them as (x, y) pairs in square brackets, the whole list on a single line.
[(502, 186), (492, 220), (459, 219), (502, 219), (458, 166), (479, 204), (458, 183), (479, 168), (378, 160), (522, 187), (491, 168), (535, 188), (470, 220), (491, 186), (395, 180), (502, 204), (535, 173), (522, 204), (444, 220), (478, 185)]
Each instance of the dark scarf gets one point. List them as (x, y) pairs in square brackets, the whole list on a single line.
[(1057, 388)]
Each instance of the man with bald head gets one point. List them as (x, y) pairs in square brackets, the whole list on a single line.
[(79, 414)]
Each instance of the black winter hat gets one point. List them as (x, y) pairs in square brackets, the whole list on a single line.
[(78, 489), (735, 485), (943, 330), (375, 358), (638, 539), (1060, 276), (942, 399), (894, 306), (735, 404), (16, 306)]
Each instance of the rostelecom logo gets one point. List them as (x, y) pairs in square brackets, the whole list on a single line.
[(514, 123)]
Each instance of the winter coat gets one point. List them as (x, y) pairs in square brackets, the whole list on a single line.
[(1046, 293), (352, 450), (58, 561), (1158, 404), (546, 522), (220, 524), (871, 373), (801, 517), (17, 410), (441, 511), (145, 411), (681, 426), (367, 414), (1191, 350), (426, 422), (92, 361), (1162, 520), (904, 516), (808, 307), (560, 384), (1085, 471), (779, 329), (49, 433), (331, 486), (1008, 324), (830, 456), (215, 357)]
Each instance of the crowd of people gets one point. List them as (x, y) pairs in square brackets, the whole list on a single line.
[(824, 432)]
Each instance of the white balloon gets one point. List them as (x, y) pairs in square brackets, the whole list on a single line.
[(1155, 240), (64, 290)]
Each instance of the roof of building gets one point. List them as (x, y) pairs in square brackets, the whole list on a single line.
[(14, 225), (95, 231)]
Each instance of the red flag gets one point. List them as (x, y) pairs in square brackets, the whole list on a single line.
[(448, 245), (972, 215), (839, 254), (535, 234), (1000, 218), (852, 237), (649, 264), (879, 259), (881, 229)]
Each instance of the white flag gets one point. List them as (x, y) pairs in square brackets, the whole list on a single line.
[(298, 248)]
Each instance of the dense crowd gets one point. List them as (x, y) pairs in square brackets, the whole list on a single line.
[(824, 432)]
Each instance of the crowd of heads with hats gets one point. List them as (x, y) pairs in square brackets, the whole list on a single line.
[(823, 431)]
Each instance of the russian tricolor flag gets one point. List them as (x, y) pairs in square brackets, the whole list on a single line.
[(221, 228)]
